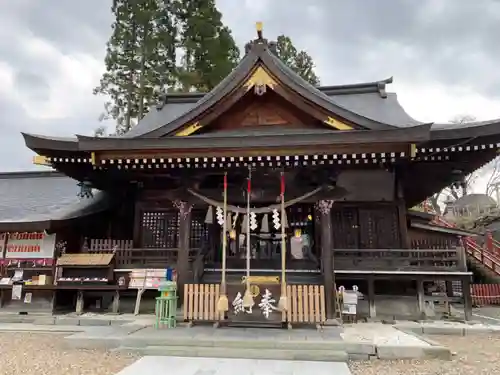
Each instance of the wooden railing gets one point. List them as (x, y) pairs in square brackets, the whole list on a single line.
[(400, 259), (126, 256), (488, 255), (489, 260)]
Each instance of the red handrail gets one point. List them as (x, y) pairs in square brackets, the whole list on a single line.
[(488, 255)]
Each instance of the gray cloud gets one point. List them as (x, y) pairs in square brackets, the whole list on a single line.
[(32, 85), (450, 42)]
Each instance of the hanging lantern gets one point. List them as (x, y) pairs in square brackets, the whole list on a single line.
[(298, 233)]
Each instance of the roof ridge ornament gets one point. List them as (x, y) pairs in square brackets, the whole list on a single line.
[(258, 27), (259, 42)]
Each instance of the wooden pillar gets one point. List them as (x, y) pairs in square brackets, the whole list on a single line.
[(183, 247), (421, 298), (137, 235), (323, 210), (403, 227), (449, 288), (467, 298), (371, 297)]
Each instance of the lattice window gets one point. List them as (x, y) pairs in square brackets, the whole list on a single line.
[(160, 229), (199, 230)]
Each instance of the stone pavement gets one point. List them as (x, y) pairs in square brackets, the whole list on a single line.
[(361, 341), (218, 366)]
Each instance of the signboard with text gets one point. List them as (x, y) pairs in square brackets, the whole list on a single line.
[(28, 245), (265, 291)]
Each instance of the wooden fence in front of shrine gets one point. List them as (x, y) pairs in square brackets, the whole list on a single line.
[(306, 304)]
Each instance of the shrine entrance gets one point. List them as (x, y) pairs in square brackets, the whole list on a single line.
[(265, 243)]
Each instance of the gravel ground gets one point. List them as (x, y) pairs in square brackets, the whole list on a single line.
[(44, 354), (476, 355)]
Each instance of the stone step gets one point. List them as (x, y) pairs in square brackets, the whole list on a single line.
[(139, 343), (232, 352)]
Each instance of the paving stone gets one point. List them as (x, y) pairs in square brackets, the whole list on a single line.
[(391, 352), (219, 352), (94, 322), (67, 321), (443, 330), (49, 320), (221, 366)]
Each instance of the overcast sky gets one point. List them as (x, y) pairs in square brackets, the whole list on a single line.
[(443, 55)]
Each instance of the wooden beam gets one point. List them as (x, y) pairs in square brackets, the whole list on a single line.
[(421, 298), (359, 148)]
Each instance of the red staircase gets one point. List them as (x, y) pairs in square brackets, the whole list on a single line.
[(488, 255)]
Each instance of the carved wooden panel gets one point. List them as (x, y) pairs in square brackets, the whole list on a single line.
[(263, 114), (365, 228), (345, 228), (379, 228), (268, 110), (160, 229)]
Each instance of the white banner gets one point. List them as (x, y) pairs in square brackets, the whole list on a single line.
[(30, 246)]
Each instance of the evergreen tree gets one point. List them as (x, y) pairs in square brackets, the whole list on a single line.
[(140, 60), (209, 50), (299, 61)]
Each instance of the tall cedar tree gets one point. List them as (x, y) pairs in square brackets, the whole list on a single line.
[(140, 60), (299, 61), (209, 50)]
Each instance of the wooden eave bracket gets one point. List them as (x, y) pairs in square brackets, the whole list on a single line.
[(339, 125), (189, 130), (41, 160)]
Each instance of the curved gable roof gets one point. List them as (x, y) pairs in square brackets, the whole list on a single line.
[(172, 117)]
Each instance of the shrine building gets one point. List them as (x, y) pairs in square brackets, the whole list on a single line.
[(265, 185)]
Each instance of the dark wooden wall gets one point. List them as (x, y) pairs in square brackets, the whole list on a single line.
[(366, 226)]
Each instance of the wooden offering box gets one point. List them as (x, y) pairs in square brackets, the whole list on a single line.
[(85, 269)]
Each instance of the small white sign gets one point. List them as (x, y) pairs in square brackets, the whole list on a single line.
[(17, 291), (350, 297), (349, 310), (27, 297)]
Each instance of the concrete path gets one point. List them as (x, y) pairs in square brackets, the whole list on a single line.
[(220, 366)]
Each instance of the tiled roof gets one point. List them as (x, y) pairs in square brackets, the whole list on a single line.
[(36, 197)]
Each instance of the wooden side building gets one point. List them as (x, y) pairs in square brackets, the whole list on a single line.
[(353, 163)]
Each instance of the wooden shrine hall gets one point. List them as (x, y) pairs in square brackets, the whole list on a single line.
[(269, 189)]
